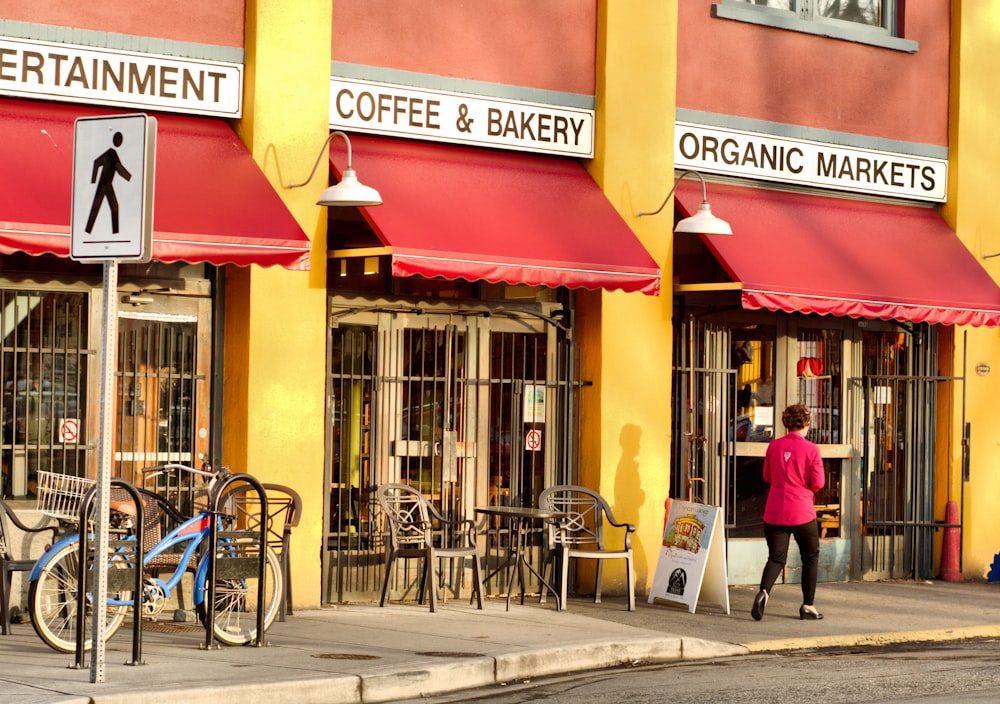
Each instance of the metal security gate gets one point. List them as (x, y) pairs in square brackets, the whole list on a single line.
[(704, 415), (50, 408), (44, 369), (443, 401), (903, 400), (161, 398)]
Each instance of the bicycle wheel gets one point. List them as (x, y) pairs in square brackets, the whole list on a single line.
[(235, 618), (52, 601)]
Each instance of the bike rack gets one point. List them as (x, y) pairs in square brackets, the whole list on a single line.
[(235, 567), (120, 576)]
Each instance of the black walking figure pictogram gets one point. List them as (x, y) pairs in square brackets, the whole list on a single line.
[(109, 165)]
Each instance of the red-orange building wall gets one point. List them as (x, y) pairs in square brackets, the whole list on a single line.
[(751, 71), (545, 45), (218, 22)]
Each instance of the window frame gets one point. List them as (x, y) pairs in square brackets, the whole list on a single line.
[(802, 19)]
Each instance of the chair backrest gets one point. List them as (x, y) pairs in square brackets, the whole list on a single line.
[(585, 511), (5, 553), (159, 516), (7, 547), (406, 511), (284, 510)]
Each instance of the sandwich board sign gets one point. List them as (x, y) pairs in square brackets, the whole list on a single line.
[(113, 167), (692, 562)]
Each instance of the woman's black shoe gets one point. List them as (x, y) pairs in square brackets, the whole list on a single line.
[(759, 602), (809, 613)]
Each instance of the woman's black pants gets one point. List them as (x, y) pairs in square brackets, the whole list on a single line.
[(807, 538)]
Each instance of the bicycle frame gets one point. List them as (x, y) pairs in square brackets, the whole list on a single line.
[(192, 531)]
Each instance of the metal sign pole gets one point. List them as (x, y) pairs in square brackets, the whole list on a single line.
[(109, 349), (114, 163)]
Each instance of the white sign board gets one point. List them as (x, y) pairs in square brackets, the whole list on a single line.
[(692, 561), (462, 118), (135, 80), (113, 168), (805, 162), (534, 403)]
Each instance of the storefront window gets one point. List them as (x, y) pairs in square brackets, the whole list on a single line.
[(44, 370), (818, 373), (754, 361)]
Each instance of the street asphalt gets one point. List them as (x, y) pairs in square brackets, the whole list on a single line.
[(363, 653)]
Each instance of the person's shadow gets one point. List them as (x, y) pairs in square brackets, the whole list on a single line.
[(629, 493)]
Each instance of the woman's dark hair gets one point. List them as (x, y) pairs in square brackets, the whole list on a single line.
[(795, 417)]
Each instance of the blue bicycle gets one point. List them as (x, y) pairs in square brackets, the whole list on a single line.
[(53, 591)]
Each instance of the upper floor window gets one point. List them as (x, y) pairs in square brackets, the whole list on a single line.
[(870, 12), (863, 21)]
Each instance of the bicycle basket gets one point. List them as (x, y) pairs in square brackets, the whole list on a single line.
[(59, 495)]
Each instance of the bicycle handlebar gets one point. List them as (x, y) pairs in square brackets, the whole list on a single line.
[(210, 487), (158, 469)]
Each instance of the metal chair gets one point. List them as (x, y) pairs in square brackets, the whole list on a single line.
[(9, 562), (411, 535), (284, 510), (581, 535)]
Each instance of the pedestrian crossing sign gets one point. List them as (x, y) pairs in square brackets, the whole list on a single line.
[(113, 168)]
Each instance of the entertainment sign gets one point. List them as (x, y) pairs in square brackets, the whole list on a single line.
[(56, 71), (818, 164), (462, 118)]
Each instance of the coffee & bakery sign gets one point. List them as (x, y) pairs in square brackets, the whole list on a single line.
[(461, 118), (809, 163)]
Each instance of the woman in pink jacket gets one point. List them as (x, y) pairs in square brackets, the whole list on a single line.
[(794, 469)]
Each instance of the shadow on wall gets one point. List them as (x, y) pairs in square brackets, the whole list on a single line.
[(629, 499)]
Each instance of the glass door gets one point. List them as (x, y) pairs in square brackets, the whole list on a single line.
[(819, 354), (738, 372), (162, 390), (463, 405), (403, 407)]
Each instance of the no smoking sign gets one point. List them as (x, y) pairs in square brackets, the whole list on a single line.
[(69, 430), (533, 440)]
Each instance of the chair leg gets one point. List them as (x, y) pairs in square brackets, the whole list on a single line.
[(548, 567), (452, 576), (477, 587), (4, 600), (283, 606), (431, 579), (422, 586), (286, 561), (631, 582), (563, 580), (390, 558), (597, 585)]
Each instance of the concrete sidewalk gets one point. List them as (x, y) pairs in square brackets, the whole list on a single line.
[(367, 654)]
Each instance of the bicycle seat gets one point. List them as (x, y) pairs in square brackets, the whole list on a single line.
[(127, 506)]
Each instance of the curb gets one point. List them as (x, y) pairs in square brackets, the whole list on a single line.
[(872, 639), (465, 674)]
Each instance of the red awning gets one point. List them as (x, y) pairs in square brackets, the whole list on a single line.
[(826, 255), (211, 202), (467, 213)]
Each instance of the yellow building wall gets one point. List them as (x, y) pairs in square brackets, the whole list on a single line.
[(625, 338), (275, 339), (974, 211)]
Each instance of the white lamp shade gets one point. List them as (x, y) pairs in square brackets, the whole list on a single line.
[(350, 192), (704, 223)]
